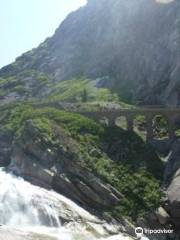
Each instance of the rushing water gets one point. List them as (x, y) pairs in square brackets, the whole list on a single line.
[(25, 209)]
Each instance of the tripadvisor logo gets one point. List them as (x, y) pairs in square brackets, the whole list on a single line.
[(139, 232)]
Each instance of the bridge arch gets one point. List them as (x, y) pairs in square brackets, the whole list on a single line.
[(121, 122), (140, 125), (161, 126), (151, 118)]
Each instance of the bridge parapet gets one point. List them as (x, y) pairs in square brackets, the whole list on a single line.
[(171, 114)]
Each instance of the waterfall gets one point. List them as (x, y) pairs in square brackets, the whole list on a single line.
[(19, 204), (34, 210)]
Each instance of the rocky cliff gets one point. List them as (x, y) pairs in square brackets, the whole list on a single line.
[(130, 47), (101, 168), (109, 50)]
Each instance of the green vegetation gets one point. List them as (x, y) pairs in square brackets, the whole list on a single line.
[(84, 96), (124, 89), (122, 159), (20, 89), (32, 84), (73, 90), (140, 126), (161, 126), (122, 122), (8, 85), (72, 122), (136, 172), (27, 83)]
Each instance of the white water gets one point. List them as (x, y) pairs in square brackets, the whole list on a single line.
[(18, 204), (30, 209)]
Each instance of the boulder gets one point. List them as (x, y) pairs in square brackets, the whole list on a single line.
[(162, 215), (173, 162), (173, 194)]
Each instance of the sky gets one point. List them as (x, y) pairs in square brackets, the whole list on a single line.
[(24, 24)]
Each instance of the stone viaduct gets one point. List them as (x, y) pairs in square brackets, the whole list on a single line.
[(172, 115)]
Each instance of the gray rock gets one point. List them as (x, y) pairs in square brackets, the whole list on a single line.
[(172, 180), (6, 138), (173, 162), (30, 169), (124, 42), (173, 193), (162, 215), (59, 169)]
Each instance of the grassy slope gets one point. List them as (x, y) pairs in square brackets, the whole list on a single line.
[(26, 84), (135, 174), (73, 90), (32, 85)]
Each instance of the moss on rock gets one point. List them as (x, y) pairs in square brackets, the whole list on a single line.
[(120, 158)]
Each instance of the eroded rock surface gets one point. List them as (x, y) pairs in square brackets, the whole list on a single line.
[(125, 43), (5, 147), (59, 169), (172, 178)]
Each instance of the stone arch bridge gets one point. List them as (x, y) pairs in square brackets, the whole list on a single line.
[(172, 115)]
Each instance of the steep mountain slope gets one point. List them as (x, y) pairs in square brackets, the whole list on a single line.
[(102, 168), (131, 47)]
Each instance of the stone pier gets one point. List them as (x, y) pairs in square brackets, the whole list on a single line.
[(130, 123), (170, 114), (149, 128)]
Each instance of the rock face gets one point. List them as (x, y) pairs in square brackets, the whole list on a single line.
[(76, 157), (134, 44), (174, 198), (172, 179), (58, 170), (5, 147), (162, 215)]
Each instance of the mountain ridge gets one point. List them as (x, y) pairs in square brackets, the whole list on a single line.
[(133, 44)]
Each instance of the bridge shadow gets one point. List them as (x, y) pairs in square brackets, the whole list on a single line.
[(127, 148), (162, 146)]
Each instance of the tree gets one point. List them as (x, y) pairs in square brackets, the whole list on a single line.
[(84, 96)]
